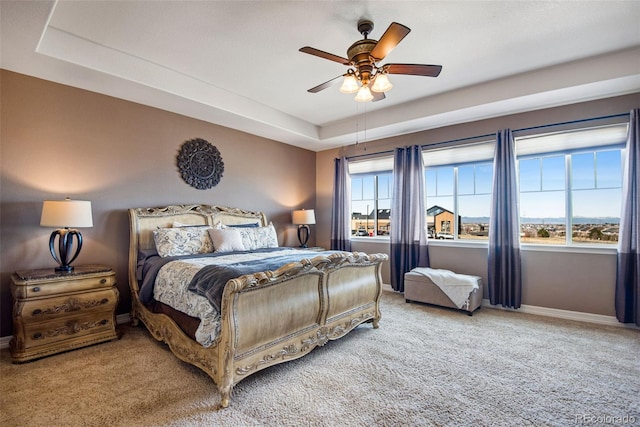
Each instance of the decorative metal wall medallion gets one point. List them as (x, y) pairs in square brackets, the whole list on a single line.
[(200, 164)]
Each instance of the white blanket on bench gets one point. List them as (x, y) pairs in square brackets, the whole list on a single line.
[(457, 287)]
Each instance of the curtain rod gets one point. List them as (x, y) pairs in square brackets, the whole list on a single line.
[(612, 116)]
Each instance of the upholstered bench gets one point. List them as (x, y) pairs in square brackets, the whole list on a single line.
[(443, 288)]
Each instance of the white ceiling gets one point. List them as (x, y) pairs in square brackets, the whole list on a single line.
[(236, 63)]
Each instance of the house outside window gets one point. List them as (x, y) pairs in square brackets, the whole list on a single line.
[(371, 192), (458, 184), (571, 186)]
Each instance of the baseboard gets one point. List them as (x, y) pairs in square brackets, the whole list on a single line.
[(120, 319), (4, 342), (123, 318), (564, 314), (387, 287)]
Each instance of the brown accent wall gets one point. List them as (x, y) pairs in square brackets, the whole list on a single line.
[(57, 141), (573, 281)]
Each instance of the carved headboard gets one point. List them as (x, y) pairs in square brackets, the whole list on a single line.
[(144, 220)]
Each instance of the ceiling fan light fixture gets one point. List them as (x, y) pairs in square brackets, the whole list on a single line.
[(364, 95), (364, 74), (381, 84), (350, 84)]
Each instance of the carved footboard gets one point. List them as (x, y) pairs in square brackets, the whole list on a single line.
[(273, 317)]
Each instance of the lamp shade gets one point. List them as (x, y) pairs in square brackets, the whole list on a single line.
[(364, 95), (381, 84), (304, 217), (66, 213), (349, 84)]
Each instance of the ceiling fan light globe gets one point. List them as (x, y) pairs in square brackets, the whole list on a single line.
[(382, 84), (349, 84), (364, 95)]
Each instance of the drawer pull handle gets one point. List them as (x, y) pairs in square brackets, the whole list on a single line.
[(36, 289), (37, 336), (36, 312), (103, 281), (104, 300)]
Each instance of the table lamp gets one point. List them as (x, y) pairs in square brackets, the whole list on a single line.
[(67, 215), (302, 218)]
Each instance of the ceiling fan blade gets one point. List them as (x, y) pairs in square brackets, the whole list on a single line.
[(390, 39), (325, 55), (414, 69), (324, 85), (378, 96)]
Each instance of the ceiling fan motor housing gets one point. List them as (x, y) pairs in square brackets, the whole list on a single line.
[(359, 54)]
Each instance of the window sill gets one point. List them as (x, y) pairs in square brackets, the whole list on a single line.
[(459, 243), (576, 249), (525, 247), (377, 239)]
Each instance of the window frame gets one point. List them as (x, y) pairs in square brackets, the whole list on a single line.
[(598, 248), (484, 145), (567, 154), (376, 208)]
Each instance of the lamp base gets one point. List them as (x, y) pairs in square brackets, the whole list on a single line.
[(65, 246), (303, 235)]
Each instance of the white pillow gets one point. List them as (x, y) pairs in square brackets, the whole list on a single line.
[(182, 241), (226, 240), (259, 237)]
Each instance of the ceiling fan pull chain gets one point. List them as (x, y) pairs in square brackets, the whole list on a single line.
[(365, 127), (357, 130)]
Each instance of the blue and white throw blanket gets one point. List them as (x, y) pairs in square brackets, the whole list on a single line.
[(211, 279), (194, 284)]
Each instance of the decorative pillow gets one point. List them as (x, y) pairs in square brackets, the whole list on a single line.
[(226, 240), (259, 237), (182, 241)]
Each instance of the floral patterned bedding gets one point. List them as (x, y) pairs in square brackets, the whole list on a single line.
[(174, 277)]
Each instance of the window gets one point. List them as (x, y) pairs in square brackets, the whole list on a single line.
[(371, 193), (571, 181), (458, 184)]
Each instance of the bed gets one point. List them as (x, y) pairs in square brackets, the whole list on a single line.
[(265, 317)]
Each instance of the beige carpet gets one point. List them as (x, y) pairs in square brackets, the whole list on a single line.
[(423, 366)]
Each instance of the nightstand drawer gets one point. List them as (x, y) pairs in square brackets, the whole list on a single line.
[(38, 310), (68, 329), (45, 288)]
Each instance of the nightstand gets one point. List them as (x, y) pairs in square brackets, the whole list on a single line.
[(55, 312)]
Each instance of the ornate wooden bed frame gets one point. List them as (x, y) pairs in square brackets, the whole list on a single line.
[(266, 318)]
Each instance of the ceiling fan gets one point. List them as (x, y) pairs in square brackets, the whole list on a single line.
[(364, 75)]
